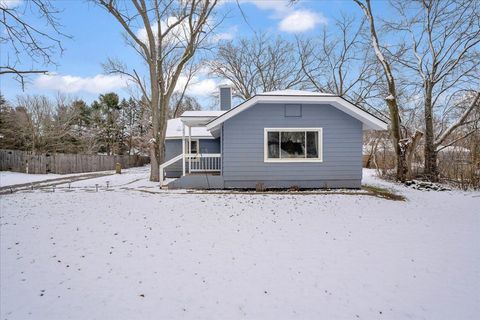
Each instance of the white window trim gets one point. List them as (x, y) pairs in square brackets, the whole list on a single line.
[(296, 160), (198, 149), (192, 140)]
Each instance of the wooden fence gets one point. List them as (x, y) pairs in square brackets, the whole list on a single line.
[(25, 161)]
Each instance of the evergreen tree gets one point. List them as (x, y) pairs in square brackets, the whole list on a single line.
[(108, 127)]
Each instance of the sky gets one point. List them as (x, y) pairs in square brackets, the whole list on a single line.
[(97, 36)]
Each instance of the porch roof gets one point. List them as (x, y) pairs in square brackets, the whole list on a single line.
[(199, 118), (175, 129)]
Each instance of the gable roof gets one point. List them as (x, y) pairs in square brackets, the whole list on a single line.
[(291, 92), (370, 122)]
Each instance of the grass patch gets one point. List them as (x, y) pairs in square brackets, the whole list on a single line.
[(383, 193)]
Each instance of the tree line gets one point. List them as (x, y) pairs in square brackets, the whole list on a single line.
[(108, 125)]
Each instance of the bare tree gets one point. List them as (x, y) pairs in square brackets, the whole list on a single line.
[(172, 31), (181, 103), (24, 40), (402, 145), (258, 64), (341, 63), (441, 57), (45, 125)]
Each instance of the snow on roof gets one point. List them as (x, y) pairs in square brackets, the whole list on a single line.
[(174, 130), (297, 96), (291, 92), (203, 113)]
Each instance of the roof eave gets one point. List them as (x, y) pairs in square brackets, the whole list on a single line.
[(370, 122)]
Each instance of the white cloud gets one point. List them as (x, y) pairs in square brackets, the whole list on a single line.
[(291, 20), (8, 4), (301, 21), (226, 35), (276, 5), (199, 86), (70, 84), (203, 87)]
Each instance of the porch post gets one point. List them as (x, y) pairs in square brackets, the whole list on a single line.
[(190, 149), (183, 148)]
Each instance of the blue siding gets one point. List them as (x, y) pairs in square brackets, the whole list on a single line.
[(225, 98), (173, 147), (243, 148)]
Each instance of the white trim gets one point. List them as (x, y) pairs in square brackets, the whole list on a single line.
[(193, 137), (166, 164), (369, 121), (189, 151), (183, 148), (204, 155), (190, 148), (212, 162), (198, 146), (294, 160)]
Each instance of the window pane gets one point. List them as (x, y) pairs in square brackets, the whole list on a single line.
[(194, 147), (273, 144), (293, 145), (312, 144)]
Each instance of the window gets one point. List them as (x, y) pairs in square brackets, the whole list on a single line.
[(293, 145), (193, 145)]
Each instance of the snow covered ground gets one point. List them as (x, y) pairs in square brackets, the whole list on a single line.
[(128, 253), (8, 178)]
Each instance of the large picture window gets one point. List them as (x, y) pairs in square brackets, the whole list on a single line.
[(293, 145)]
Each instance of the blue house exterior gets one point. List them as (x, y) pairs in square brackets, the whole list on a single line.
[(278, 139)]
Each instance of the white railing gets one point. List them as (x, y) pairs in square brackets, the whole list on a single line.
[(166, 164), (200, 162), (203, 162)]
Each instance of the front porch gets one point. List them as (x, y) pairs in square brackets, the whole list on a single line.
[(194, 159)]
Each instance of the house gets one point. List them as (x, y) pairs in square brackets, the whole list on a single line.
[(278, 139)]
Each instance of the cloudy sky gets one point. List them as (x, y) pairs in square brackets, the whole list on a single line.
[(96, 36)]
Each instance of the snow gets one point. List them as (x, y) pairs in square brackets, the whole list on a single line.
[(175, 127), (8, 178), (291, 92), (203, 113), (136, 252)]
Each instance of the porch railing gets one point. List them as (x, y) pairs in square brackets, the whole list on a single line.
[(203, 162)]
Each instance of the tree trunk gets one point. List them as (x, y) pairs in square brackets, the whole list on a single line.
[(400, 150), (155, 159), (430, 153), (412, 145), (402, 166), (163, 128)]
